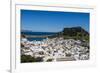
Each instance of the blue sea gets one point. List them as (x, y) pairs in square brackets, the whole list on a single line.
[(36, 34)]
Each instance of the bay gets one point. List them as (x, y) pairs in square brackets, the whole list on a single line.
[(36, 34)]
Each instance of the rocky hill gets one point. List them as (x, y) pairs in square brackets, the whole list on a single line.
[(74, 33)]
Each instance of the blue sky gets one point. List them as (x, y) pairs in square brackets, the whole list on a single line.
[(52, 21)]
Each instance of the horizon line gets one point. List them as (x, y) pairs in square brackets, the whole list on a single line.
[(53, 31)]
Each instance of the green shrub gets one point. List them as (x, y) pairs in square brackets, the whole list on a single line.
[(28, 58), (49, 60)]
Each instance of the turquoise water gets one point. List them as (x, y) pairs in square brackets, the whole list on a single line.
[(37, 39), (37, 34)]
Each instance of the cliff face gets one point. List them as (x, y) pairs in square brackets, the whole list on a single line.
[(75, 31)]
